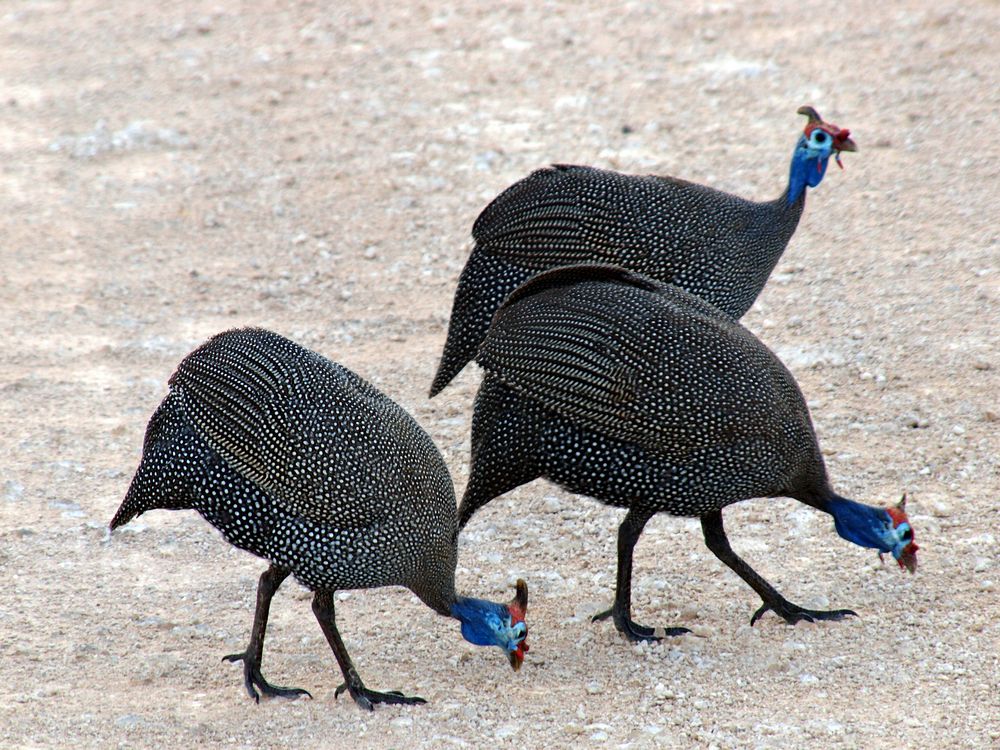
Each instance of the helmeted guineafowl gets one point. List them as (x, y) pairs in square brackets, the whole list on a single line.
[(299, 461), (713, 244), (646, 397)]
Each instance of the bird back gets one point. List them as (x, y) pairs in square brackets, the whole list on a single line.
[(714, 244), (641, 362), (324, 442)]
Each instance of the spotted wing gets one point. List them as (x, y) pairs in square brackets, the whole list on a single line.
[(565, 215), (306, 430), (630, 358)]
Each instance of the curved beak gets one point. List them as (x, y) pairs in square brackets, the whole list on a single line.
[(908, 558), (842, 141), (516, 656), (518, 608)]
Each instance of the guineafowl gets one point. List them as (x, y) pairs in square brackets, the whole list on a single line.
[(713, 244), (646, 397), (301, 462)]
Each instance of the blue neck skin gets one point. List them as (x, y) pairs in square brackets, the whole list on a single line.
[(867, 526), (483, 623), (807, 169)]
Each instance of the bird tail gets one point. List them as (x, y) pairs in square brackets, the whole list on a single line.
[(503, 447), (134, 503), (158, 482), (485, 282)]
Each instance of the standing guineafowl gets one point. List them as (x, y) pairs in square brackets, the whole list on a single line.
[(646, 397), (299, 461), (715, 245)]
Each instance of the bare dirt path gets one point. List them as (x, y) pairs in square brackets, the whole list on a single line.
[(171, 172)]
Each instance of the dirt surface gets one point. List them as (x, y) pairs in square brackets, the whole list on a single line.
[(170, 173)]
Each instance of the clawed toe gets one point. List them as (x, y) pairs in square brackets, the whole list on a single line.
[(253, 681), (601, 616), (793, 613), (634, 631), (367, 699)]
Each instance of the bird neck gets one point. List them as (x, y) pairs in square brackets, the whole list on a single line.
[(861, 524), (804, 171), (780, 222), (480, 619), (784, 203)]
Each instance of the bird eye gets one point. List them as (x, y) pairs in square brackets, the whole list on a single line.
[(520, 631), (819, 136), (907, 535)]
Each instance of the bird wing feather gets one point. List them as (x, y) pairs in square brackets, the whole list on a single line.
[(618, 353), (566, 215), (307, 431)]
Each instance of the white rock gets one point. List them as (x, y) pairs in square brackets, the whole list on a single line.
[(507, 730), (514, 45)]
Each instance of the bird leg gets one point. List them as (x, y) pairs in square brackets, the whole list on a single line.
[(268, 584), (323, 609), (621, 611), (716, 540)]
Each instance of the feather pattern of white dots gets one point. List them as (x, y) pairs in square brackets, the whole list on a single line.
[(716, 245), (297, 460), (646, 397)]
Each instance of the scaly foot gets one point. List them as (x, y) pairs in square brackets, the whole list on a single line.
[(636, 632), (793, 613), (368, 698), (254, 680)]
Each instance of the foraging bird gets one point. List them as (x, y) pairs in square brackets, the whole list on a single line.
[(645, 397), (299, 461), (715, 245)]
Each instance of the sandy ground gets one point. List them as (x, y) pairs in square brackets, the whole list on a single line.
[(170, 173)]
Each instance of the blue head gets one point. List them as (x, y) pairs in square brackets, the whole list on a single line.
[(884, 529), (818, 142), (490, 624)]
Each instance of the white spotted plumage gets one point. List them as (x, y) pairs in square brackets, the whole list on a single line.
[(643, 396), (715, 245), (636, 393), (299, 461)]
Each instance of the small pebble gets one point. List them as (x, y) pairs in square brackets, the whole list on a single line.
[(939, 508), (507, 730), (662, 691), (702, 631)]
